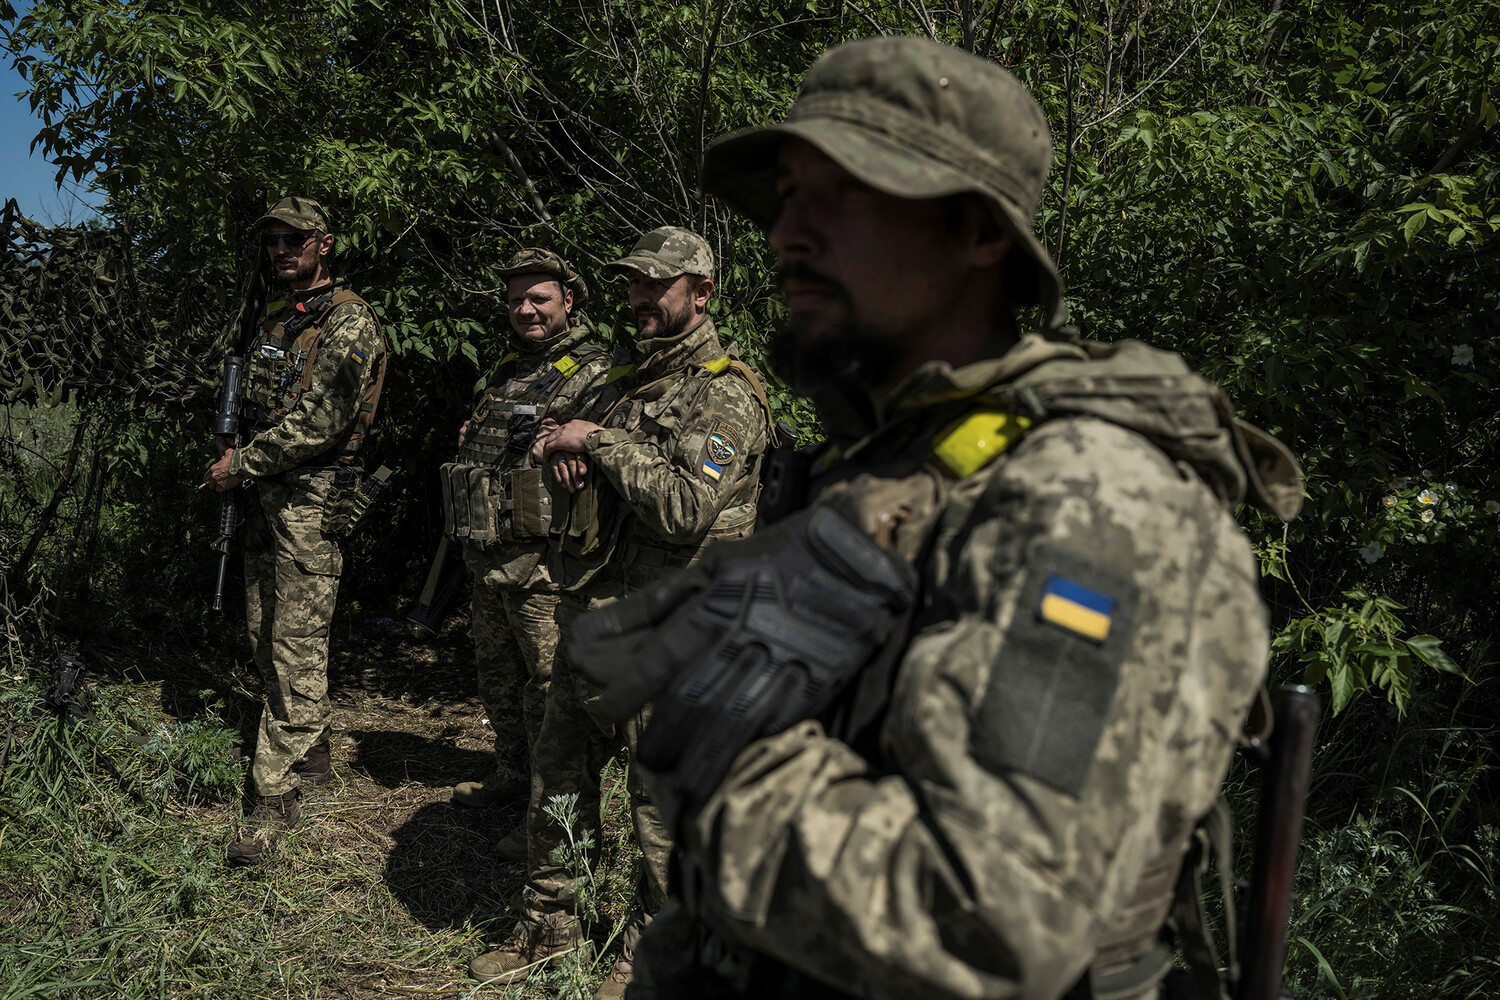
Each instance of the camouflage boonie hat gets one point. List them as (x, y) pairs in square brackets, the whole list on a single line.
[(666, 253), (535, 260), (299, 213), (914, 119)]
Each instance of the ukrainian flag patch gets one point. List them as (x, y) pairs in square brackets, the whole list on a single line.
[(358, 356), (1077, 608), (712, 469)]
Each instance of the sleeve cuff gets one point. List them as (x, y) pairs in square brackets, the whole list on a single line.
[(605, 438)]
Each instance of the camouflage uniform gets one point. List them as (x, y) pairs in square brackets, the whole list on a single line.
[(317, 393), (1001, 807), (678, 464), (515, 600)]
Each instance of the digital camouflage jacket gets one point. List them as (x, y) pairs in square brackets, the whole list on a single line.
[(1009, 807), (326, 384)]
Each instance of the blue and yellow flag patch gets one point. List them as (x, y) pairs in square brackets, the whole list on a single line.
[(1077, 608), (712, 470), (358, 356)]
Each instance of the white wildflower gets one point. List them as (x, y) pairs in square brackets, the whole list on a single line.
[(1371, 551), (1451, 488), (1463, 354), (1492, 506), (1427, 497), (1389, 501), (1428, 515), (1400, 484)]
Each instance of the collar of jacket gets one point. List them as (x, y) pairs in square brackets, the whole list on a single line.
[(698, 344), (580, 330)]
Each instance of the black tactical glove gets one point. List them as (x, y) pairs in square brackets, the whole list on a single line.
[(761, 634)]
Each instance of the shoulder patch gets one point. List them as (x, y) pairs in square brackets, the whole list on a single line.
[(358, 356), (719, 449), (1052, 685)]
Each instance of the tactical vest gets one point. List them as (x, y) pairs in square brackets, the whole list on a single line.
[(491, 491), (281, 365)]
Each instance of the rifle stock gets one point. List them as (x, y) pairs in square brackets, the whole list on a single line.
[(1278, 828)]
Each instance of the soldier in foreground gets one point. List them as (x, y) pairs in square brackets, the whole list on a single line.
[(673, 462), (501, 511), (316, 371), (948, 731)]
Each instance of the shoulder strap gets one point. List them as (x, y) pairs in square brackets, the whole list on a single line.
[(719, 366)]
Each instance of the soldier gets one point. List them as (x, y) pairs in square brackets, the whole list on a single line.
[(677, 459), (948, 731), (314, 382), (500, 510)]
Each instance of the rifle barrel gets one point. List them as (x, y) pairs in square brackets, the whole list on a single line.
[(1283, 796)]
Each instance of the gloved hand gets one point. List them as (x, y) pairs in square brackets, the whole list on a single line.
[(761, 634)]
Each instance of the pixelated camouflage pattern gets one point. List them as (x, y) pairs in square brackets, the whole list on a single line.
[(535, 260), (914, 119), (656, 448), (299, 213), (291, 583), (515, 642), (524, 563), (351, 353), (568, 758), (665, 253), (918, 866)]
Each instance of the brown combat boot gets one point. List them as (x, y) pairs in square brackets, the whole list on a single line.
[(317, 767), (262, 829), (618, 980), (512, 846), (501, 783), (531, 947)]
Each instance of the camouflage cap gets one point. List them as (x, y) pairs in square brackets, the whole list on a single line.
[(535, 260), (299, 213), (666, 253), (914, 119)]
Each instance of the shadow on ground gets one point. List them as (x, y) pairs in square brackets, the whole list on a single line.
[(443, 869)]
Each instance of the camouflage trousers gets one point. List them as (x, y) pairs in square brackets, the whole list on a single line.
[(515, 642), (291, 583), (568, 758)]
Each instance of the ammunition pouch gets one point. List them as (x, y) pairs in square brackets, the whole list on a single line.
[(350, 500), (476, 513)]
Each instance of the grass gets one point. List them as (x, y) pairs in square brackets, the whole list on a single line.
[(112, 837)]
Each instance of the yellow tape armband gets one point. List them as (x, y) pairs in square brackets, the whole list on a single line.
[(718, 366), (618, 372), (976, 439), (565, 366)]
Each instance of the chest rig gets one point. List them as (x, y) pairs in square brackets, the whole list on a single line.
[(282, 361), (491, 491)]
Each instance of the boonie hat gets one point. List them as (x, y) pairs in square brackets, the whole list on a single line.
[(666, 253), (299, 213), (535, 260), (914, 119)]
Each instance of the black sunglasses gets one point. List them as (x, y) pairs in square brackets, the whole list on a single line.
[(294, 241)]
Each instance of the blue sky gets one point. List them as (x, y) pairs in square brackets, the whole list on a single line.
[(25, 176)]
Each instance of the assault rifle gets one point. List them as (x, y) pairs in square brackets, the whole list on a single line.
[(445, 582), (227, 423), (1283, 795)]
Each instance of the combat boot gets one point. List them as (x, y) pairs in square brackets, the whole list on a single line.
[(273, 815), (531, 947), (501, 783), (317, 767), (512, 846), (618, 980)]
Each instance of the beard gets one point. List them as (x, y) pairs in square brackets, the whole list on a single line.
[(303, 271), (848, 355), (668, 328)]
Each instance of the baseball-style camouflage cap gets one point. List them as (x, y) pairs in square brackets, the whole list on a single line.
[(535, 260), (299, 213), (914, 119), (665, 253)]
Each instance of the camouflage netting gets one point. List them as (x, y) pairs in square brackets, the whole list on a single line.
[(75, 317)]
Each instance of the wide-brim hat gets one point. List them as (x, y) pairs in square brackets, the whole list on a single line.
[(299, 213), (914, 119), (535, 260)]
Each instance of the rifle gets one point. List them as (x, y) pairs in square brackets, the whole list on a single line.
[(445, 581), (227, 424), (1283, 795)]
